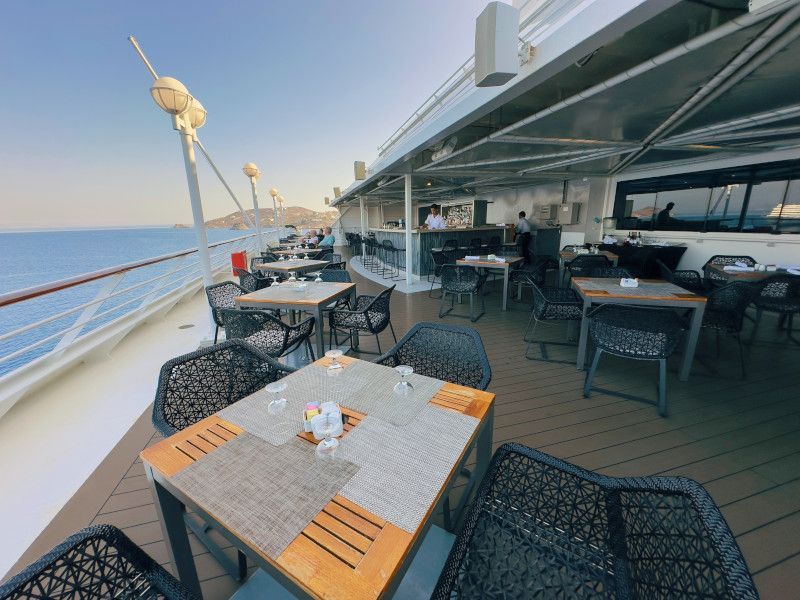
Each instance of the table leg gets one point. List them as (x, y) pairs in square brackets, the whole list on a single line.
[(519, 291), (320, 333), (505, 286), (560, 281), (170, 513), (584, 339), (484, 446), (691, 342)]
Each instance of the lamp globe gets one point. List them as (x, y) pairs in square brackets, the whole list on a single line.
[(251, 170), (171, 95)]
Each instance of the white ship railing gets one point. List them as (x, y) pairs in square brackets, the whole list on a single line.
[(537, 17), (92, 312)]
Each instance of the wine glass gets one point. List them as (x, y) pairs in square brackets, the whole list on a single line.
[(404, 387), (327, 427), (292, 277), (281, 257), (294, 256), (318, 278), (278, 402), (334, 356)]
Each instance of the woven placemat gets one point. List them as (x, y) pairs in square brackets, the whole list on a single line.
[(402, 469), (251, 415), (612, 286), (265, 494)]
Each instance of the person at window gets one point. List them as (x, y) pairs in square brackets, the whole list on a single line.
[(664, 219), (434, 220), (329, 238), (522, 235)]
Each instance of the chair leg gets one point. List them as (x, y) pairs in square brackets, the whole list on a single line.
[(216, 333), (310, 350), (590, 375), (741, 355), (531, 339), (391, 328), (378, 341), (759, 313), (662, 387), (525, 337)]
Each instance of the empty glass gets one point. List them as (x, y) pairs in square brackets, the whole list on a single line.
[(327, 427), (318, 278), (278, 402), (334, 356), (292, 277), (281, 257), (404, 387)]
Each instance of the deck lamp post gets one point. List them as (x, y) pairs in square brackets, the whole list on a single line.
[(283, 212), (274, 193), (251, 171), (188, 115)]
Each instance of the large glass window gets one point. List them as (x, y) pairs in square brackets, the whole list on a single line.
[(763, 198)]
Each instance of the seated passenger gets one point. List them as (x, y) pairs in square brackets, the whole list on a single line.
[(328, 240)]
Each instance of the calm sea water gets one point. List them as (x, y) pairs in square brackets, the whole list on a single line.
[(37, 257)]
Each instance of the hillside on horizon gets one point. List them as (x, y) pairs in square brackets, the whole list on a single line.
[(302, 218)]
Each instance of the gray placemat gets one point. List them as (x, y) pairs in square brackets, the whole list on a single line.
[(265, 494), (402, 469), (251, 415), (612, 286)]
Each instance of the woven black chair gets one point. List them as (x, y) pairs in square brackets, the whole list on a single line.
[(610, 272), (779, 294), (721, 260), (638, 333), (266, 332), (724, 313), (551, 304), (221, 295), (96, 562), (531, 274), (540, 527), (335, 266), (370, 316), (582, 265), (462, 280), (450, 244), (685, 278), (335, 275), (250, 281), (439, 258), (323, 253), (494, 245), (447, 352), (195, 386)]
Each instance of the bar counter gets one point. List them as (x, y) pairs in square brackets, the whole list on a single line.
[(424, 240)]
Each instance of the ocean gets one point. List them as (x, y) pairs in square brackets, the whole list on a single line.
[(32, 258)]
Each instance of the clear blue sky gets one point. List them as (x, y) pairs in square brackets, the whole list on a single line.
[(300, 88)]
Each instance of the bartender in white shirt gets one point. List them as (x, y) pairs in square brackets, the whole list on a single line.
[(435, 220)]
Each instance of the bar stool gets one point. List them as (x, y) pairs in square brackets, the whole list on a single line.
[(391, 259)]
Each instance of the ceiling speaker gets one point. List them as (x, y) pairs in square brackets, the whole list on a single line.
[(360, 170), (496, 45), (337, 192)]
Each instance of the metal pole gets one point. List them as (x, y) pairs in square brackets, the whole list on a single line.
[(361, 209), (257, 213), (246, 219), (275, 222), (197, 208), (409, 257)]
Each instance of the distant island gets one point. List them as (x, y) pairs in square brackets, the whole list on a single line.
[(302, 218)]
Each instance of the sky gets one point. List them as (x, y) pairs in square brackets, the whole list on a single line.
[(300, 88)]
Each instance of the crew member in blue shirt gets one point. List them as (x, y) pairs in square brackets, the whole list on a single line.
[(523, 236), (329, 238)]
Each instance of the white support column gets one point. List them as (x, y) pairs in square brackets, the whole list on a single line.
[(257, 214), (409, 253), (190, 163), (362, 214)]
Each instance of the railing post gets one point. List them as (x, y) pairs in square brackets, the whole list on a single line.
[(152, 295), (88, 312)]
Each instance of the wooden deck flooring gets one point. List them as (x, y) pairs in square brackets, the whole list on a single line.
[(739, 437)]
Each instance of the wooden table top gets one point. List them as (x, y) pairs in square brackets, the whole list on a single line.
[(567, 255), (288, 266), (745, 275), (345, 552), (316, 293), (296, 250), (485, 262), (663, 290)]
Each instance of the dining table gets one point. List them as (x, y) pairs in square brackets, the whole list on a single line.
[(744, 274), (341, 526), (291, 265), (649, 292), (505, 265), (312, 297)]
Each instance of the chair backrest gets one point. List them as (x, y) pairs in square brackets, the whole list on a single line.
[(581, 265), (460, 278), (335, 275), (666, 531), (609, 272), (387, 244), (448, 352), (265, 257), (733, 299), (271, 333), (323, 253), (196, 385), (96, 562), (334, 257), (776, 288), (636, 332), (246, 279), (722, 260), (221, 295), (334, 266), (450, 244)]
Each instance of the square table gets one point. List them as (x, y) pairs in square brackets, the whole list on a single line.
[(314, 299), (651, 292), (483, 262), (565, 257), (752, 276), (299, 265), (342, 550)]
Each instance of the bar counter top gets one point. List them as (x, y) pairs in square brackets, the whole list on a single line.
[(445, 230)]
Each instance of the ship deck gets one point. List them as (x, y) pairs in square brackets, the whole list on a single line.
[(739, 437)]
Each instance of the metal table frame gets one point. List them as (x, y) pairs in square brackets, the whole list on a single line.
[(171, 505), (489, 265)]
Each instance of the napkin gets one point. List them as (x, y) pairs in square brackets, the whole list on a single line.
[(738, 269), (472, 258), (499, 259), (793, 271)]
